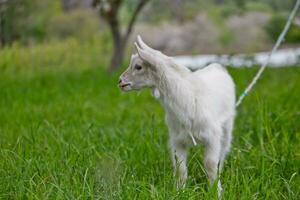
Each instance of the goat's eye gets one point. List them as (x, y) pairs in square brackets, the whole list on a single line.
[(138, 67)]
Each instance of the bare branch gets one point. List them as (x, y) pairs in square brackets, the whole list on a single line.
[(137, 10)]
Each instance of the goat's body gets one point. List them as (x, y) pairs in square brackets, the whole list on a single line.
[(199, 105), (206, 99)]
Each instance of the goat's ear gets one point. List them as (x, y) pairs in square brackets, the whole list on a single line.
[(134, 56), (146, 55)]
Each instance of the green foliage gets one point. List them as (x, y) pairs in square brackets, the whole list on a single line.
[(67, 132), (81, 24), (25, 20), (69, 54), (258, 6), (10, 13), (278, 5), (35, 21), (220, 14), (240, 4), (276, 25), (293, 35)]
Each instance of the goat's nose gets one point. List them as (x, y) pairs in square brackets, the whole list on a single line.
[(120, 80)]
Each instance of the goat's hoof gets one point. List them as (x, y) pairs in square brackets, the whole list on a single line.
[(180, 185), (220, 190)]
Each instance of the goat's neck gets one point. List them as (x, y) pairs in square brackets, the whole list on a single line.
[(175, 93)]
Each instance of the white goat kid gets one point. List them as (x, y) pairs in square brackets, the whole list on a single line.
[(199, 106)]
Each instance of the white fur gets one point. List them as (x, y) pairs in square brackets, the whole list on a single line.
[(200, 104)]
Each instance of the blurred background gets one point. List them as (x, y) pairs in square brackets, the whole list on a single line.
[(68, 132), (100, 32)]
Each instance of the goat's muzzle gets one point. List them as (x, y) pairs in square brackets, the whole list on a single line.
[(123, 84)]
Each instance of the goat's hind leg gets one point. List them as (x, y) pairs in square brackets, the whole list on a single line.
[(226, 141), (212, 159)]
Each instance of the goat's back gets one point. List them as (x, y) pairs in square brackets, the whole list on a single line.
[(215, 91)]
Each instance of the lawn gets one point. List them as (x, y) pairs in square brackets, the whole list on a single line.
[(67, 132)]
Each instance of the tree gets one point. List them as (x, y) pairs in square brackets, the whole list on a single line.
[(13, 18), (68, 5), (22, 21), (109, 10)]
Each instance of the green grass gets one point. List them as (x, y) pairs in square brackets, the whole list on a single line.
[(71, 134)]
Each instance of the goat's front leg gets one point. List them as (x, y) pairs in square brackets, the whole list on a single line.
[(179, 158), (212, 159)]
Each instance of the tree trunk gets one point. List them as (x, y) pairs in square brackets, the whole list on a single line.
[(118, 55), (118, 45), (2, 40), (2, 18)]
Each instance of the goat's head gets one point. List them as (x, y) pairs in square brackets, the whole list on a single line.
[(142, 69)]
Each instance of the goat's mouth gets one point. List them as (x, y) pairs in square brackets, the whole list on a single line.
[(124, 86)]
